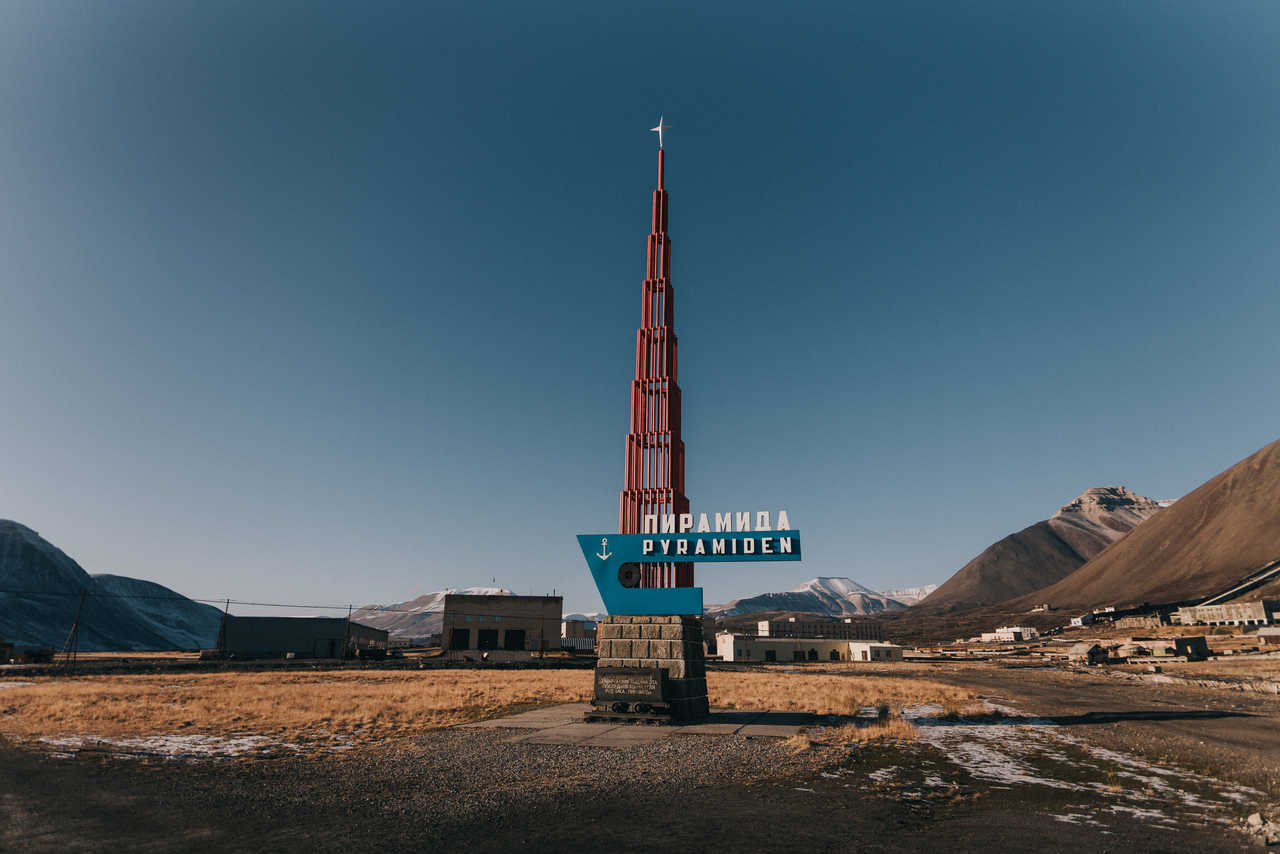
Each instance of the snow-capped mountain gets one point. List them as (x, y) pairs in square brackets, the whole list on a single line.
[(421, 617), (833, 597), (910, 595)]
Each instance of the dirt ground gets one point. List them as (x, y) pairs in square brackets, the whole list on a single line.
[(1076, 763)]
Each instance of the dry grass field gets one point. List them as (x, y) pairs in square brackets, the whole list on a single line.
[(353, 706), (829, 695)]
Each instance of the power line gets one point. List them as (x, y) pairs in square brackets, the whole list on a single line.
[(224, 601)]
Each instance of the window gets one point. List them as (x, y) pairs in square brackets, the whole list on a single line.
[(513, 639), (486, 638), (770, 655), (813, 655), (460, 639), (835, 655)]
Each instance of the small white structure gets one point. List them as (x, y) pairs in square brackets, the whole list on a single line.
[(867, 651), (1082, 620)]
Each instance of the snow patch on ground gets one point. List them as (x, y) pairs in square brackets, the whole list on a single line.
[(168, 746), (1016, 750), (4, 685)]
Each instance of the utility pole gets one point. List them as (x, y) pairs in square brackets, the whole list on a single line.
[(73, 638), (346, 638), (222, 630)]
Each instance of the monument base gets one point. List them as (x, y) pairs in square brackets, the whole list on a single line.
[(652, 669)]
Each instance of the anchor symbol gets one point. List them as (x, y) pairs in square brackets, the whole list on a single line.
[(603, 554)]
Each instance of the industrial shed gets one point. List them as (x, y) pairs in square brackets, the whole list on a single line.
[(300, 637)]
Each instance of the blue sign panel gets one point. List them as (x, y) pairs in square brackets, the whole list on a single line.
[(615, 561)]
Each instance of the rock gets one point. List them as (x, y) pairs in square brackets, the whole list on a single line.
[(1255, 820)]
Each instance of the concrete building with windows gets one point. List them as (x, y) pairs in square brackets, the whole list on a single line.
[(298, 637), (810, 626), (500, 627), (735, 646), (1263, 612)]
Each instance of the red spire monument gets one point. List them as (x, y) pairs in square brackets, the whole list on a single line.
[(654, 480)]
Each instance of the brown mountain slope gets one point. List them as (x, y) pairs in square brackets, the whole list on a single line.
[(1201, 545), (1046, 552), (1033, 558)]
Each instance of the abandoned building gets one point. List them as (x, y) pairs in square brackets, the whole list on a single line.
[(500, 627), (1143, 621), (298, 637), (1269, 636), (1087, 653), (1260, 613), (1010, 634), (810, 626), (579, 633), (733, 646)]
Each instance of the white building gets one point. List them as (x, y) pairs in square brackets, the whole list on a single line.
[(742, 647), (1082, 620), (1010, 634), (868, 651)]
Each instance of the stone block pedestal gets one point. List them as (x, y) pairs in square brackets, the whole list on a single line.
[(651, 669)]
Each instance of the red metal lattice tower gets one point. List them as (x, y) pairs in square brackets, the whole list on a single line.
[(654, 481)]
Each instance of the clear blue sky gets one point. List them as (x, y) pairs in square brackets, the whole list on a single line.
[(337, 303)]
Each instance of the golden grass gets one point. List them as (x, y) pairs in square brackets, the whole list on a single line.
[(307, 707), (347, 705), (828, 695), (888, 728)]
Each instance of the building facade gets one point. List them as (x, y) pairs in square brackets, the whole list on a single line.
[(736, 646), (298, 637), (500, 626), (817, 627), (1260, 613)]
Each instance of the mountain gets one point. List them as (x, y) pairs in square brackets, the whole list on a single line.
[(1046, 552), (40, 589), (833, 597), (417, 618), (909, 595), (1202, 544), (187, 624)]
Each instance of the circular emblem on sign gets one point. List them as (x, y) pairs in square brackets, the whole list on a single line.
[(629, 574)]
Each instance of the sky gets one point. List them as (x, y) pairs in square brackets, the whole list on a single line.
[(336, 302)]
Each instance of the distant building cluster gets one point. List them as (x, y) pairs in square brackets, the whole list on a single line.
[(1140, 649)]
